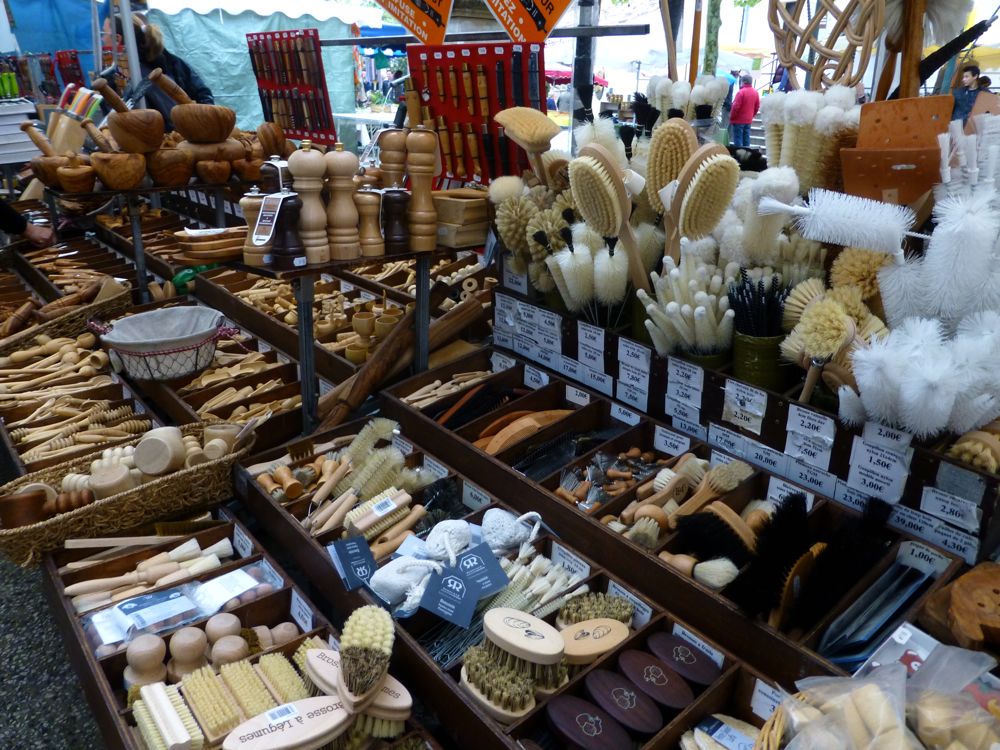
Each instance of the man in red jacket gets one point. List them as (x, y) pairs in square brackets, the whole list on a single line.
[(746, 103)]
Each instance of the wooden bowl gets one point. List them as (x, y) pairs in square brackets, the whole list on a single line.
[(248, 170), (44, 168), (225, 150), (138, 132), (170, 167), (213, 172), (203, 123), (76, 177), (121, 171), (272, 139)]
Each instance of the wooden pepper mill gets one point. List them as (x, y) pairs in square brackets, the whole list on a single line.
[(254, 255), (308, 169), (421, 156), (287, 252), (369, 203), (394, 229), (341, 213), (392, 150)]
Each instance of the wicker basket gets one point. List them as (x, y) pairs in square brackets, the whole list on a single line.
[(71, 324), (773, 731), (187, 490)]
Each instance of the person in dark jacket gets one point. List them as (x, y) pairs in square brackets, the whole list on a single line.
[(149, 40), (965, 95), (11, 222)]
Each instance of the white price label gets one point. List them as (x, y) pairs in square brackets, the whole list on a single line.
[(270, 574), (435, 467), (766, 699), (502, 338), (535, 378), (718, 458), (670, 442), (923, 558), (887, 437), (366, 296), (241, 542), (550, 322), (877, 470), (852, 498), (517, 282), (693, 429), (238, 211), (591, 358), (589, 335), (955, 510), (808, 422), (548, 358), (962, 482), (957, 542), (346, 287), (527, 313), (401, 444), (570, 368), (571, 562), (681, 411), (682, 393), (691, 375), (636, 355), (779, 489), (278, 716), (301, 612), (473, 497), (325, 387), (636, 397), (526, 347), (634, 377), (576, 396), (820, 481), (598, 381), (501, 362), (913, 522), (772, 461), (811, 449), (622, 414), (641, 612), (713, 653), (744, 406), (228, 207), (726, 439)]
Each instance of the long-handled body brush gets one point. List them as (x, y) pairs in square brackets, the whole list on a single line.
[(531, 130)]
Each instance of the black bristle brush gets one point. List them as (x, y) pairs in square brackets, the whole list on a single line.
[(442, 500), (627, 134), (706, 536), (781, 541), (758, 307), (851, 552), (646, 114)]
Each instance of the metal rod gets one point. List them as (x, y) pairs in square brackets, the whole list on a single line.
[(140, 254), (131, 48), (422, 312), (50, 201), (638, 29), (304, 287), (220, 208)]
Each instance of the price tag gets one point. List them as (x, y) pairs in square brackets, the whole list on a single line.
[(517, 282), (913, 522), (957, 542), (726, 439), (324, 387), (241, 542), (772, 461), (670, 442), (347, 287), (202, 198), (473, 497), (366, 296), (401, 444), (506, 311), (598, 381), (924, 559), (549, 358), (636, 355), (852, 498), (591, 358), (641, 612), (693, 429), (502, 338), (238, 211), (573, 564), (955, 510), (576, 396), (270, 573), (744, 406), (435, 467), (633, 396), (811, 449), (766, 699), (501, 362), (450, 597), (353, 559), (691, 375), (962, 482), (779, 489), (570, 368), (718, 457), (713, 653), (682, 393), (724, 734), (525, 347), (535, 378), (228, 207), (550, 323), (877, 470), (808, 422), (821, 482), (278, 716), (887, 437), (301, 612), (622, 414), (481, 571)]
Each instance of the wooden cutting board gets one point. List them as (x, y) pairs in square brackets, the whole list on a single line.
[(904, 123)]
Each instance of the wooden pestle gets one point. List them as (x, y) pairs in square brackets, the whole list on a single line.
[(96, 136), (40, 141), (149, 575), (421, 158), (102, 87), (167, 85)]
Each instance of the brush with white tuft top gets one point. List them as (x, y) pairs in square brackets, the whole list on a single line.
[(760, 231)]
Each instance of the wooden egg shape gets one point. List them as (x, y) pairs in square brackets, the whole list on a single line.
[(685, 659), (655, 679), (584, 725), (624, 701)]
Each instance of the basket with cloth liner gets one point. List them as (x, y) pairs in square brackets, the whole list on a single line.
[(73, 323), (164, 344), (183, 492)]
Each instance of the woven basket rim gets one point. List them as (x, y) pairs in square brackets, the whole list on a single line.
[(111, 304)]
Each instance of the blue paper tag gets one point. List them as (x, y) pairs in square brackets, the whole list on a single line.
[(481, 571), (449, 596), (354, 561), (725, 735)]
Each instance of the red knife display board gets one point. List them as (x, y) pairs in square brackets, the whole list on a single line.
[(288, 66), (461, 87)]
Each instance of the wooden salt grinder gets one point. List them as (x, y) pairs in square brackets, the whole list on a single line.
[(254, 255), (341, 213), (308, 169), (369, 203), (394, 229), (421, 156), (288, 253), (392, 157)]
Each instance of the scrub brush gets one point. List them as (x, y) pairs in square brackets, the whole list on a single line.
[(312, 642), (378, 514), (802, 295), (707, 196), (760, 232), (164, 719), (825, 329), (772, 113), (539, 656), (650, 523), (602, 132), (504, 693), (281, 678), (716, 574), (816, 170), (717, 482), (379, 466), (798, 138), (849, 297), (843, 219), (512, 220), (671, 146), (855, 266), (377, 430), (540, 277), (592, 606), (650, 240), (680, 97), (610, 277), (532, 130), (365, 648), (246, 686), (505, 188), (717, 531), (210, 702)]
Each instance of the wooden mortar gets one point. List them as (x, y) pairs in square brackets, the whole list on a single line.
[(44, 167), (137, 131), (272, 139), (76, 177), (116, 170), (223, 150), (213, 172), (170, 167), (198, 123)]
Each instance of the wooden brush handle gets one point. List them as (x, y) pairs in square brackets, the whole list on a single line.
[(812, 377), (387, 545), (693, 504), (331, 482), (335, 513), (683, 564), (417, 512), (95, 135), (40, 141), (110, 95), (168, 86), (150, 575)]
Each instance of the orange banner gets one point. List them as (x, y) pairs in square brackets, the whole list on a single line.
[(528, 20), (427, 20)]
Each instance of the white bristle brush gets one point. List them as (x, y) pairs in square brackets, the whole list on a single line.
[(504, 188), (760, 231)]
